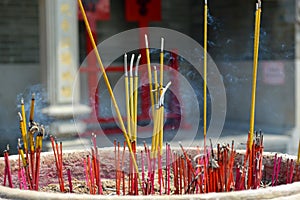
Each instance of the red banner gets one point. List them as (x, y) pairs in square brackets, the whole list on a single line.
[(96, 9), (147, 10)]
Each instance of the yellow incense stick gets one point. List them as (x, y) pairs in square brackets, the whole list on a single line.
[(131, 98), (157, 140), (205, 71), (298, 157), (127, 96), (23, 113), (157, 115), (161, 63), (32, 108), (161, 125), (22, 154), (39, 141), (154, 134), (24, 125), (23, 132), (136, 86), (254, 75), (149, 74), (161, 115), (155, 85), (31, 141), (109, 89)]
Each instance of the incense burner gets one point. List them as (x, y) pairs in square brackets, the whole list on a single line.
[(73, 160)]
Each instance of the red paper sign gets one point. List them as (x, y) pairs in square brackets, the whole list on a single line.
[(148, 10), (273, 72)]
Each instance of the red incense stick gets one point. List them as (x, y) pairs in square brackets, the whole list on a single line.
[(70, 180)]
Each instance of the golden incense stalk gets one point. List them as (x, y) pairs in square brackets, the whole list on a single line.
[(254, 75), (127, 96), (162, 109), (154, 133), (131, 97), (205, 73), (149, 74), (160, 128), (136, 86), (298, 156), (155, 85), (32, 108), (156, 120), (161, 63), (24, 131), (161, 113), (155, 130), (109, 88)]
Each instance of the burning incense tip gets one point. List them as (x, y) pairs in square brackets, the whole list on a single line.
[(131, 65), (146, 41), (137, 64), (205, 2), (22, 100), (33, 96), (162, 45), (125, 64)]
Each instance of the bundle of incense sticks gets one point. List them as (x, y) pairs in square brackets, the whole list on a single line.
[(131, 102), (32, 137), (157, 99), (157, 96), (57, 150), (92, 169)]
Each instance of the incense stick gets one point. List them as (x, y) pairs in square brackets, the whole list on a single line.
[(107, 83), (161, 95), (149, 74), (135, 89), (127, 96), (205, 72), (70, 180), (205, 83), (24, 125), (254, 75), (23, 131), (161, 63), (131, 97), (298, 155), (7, 168), (31, 116), (37, 159)]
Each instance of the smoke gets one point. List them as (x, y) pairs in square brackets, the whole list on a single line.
[(40, 103)]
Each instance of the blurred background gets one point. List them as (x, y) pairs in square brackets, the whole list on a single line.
[(43, 44)]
